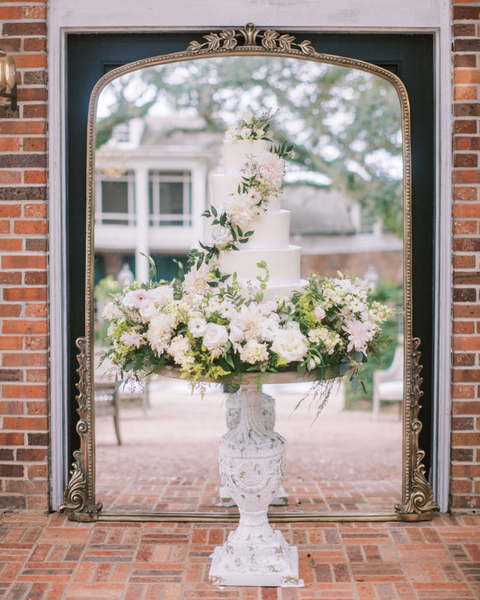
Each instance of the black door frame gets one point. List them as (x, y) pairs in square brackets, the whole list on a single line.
[(410, 56)]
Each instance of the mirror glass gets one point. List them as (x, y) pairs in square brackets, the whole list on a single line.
[(159, 134)]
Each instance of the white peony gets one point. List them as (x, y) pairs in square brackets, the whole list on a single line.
[(132, 338), (271, 168), (197, 326), (215, 336), (240, 209), (219, 236), (159, 333), (196, 281), (111, 311), (254, 352), (160, 295), (150, 311), (290, 344)]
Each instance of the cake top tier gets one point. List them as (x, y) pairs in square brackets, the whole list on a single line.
[(235, 154)]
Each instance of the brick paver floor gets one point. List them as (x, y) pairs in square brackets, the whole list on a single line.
[(50, 558)]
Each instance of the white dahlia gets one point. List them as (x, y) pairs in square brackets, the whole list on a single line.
[(271, 168), (196, 281)]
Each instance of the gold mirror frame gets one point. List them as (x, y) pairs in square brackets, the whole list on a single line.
[(417, 495)]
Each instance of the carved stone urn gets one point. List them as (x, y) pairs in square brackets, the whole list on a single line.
[(252, 465)]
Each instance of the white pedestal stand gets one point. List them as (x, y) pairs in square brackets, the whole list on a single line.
[(252, 465), (234, 410)]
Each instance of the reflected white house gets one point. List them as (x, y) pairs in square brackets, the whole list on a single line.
[(152, 185)]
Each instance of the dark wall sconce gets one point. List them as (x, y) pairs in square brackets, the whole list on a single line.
[(8, 79)]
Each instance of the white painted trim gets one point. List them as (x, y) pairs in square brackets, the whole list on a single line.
[(57, 34), (443, 259), (59, 461)]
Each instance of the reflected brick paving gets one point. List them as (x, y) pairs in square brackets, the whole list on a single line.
[(50, 558), (177, 494)]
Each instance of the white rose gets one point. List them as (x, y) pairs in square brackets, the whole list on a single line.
[(260, 133), (290, 344), (292, 325), (111, 311), (269, 330), (129, 299), (248, 118), (160, 295), (149, 312), (215, 336), (268, 307), (236, 334), (219, 236), (319, 313), (197, 326)]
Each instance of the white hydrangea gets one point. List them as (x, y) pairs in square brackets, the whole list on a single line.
[(254, 352)]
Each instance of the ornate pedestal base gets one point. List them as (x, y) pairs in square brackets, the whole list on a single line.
[(234, 410), (252, 464)]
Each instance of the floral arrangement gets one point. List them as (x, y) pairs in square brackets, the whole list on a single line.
[(215, 329), (219, 331), (251, 127)]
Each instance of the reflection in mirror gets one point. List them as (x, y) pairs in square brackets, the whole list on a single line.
[(159, 139)]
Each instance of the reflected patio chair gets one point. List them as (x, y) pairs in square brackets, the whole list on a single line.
[(107, 404), (388, 383)]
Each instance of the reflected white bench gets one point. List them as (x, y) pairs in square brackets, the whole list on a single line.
[(388, 384)]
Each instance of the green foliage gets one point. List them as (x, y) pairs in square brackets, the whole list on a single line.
[(106, 288)]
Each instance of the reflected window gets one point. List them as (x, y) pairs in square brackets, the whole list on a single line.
[(117, 201), (121, 133), (170, 198)]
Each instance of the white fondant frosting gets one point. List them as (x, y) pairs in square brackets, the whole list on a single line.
[(270, 240), (235, 154), (283, 262)]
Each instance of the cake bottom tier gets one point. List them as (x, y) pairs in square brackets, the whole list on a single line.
[(283, 290), (283, 264)]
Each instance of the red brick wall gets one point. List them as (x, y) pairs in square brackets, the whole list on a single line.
[(465, 487), (24, 406)]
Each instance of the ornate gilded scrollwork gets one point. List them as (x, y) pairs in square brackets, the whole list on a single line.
[(76, 498), (420, 494), (271, 40)]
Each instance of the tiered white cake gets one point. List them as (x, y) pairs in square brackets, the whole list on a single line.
[(270, 242)]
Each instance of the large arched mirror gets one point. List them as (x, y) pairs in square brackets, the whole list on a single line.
[(155, 139)]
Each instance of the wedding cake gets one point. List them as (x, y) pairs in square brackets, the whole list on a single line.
[(236, 193)]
